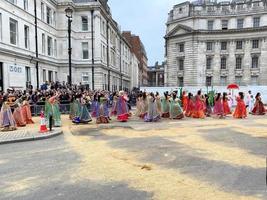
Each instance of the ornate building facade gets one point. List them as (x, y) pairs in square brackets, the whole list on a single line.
[(101, 56), (217, 43)]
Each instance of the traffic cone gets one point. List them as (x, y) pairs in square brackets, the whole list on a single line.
[(43, 128)]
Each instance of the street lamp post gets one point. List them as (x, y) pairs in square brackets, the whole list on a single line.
[(69, 12)]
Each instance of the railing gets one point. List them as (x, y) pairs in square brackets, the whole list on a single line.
[(64, 108)]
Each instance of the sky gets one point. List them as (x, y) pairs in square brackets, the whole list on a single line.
[(146, 18)]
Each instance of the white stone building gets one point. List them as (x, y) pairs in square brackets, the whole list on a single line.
[(134, 71), (217, 43), (92, 23)]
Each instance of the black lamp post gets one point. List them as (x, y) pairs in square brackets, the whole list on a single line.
[(69, 12)]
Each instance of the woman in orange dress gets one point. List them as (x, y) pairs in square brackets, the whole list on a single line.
[(240, 111), (26, 111), (199, 106), (259, 108), (226, 108), (190, 106), (184, 100)]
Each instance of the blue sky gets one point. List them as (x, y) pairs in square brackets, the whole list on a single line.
[(147, 19)]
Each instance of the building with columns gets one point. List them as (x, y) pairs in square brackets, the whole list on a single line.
[(101, 56), (217, 43), (156, 75)]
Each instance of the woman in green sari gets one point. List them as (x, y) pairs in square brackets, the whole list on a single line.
[(165, 106), (176, 111), (52, 110)]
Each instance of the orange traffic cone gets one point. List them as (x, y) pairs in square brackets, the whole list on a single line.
[(43, 128)]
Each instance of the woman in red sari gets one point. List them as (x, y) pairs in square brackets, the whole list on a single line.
[(226, 108), (241, 110), (199, 106), (190, 106), (259, 108), (184, 100)]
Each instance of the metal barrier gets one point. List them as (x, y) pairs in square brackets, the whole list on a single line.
[(63, 108)]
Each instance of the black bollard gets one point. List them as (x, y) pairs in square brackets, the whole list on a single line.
[(50, 123)]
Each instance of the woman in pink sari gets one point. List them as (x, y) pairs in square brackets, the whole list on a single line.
[(218, 107)]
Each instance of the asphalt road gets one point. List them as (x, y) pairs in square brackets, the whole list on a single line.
[(211, 159)]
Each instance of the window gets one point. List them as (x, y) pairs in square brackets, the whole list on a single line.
[(85, 23), (181, 64), (238, 80), (13, 25), (44, 75), (55, 48), (50, 76), (181, 82), (240, 23), (209, 46), (85, 50), (208, 81), (255, 62), (43, 43), (85, 77), (224, 24), (25, 5), (49, 46), (256, 22), (28, 75), (223, 46), (56, 76), (238, 63), (26, 36), (239, 44), (255, 44), (208, 62), (223, 63), (223, 81), (42, 11), (181, 47), (254, 80), (210, 25), (54, 18), (48, 15)]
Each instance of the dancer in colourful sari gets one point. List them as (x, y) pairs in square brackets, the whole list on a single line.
[(122, 108), (199, 106), (26, 111), (241, 110), (102, 115), (158, 103), (7, 121), (259, 108), (226, 108), (165, 105), (82, 114), (113, 111), (190, 106), (17, 114), (144, 105), (184, 100), (176, 111), (139, 105), (152, 115), (218, 106), (52, 110)]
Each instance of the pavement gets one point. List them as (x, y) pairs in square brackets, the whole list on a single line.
[(28, 133), (211, 159)]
